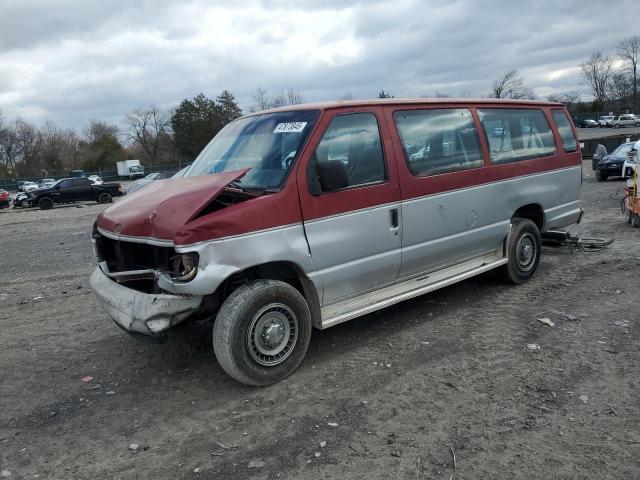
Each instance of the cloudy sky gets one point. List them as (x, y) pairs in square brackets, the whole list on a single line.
[(68, 61)]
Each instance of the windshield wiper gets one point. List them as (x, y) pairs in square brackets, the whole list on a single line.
[(236, 184)]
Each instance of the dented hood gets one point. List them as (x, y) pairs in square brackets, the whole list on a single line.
[(163, 208)]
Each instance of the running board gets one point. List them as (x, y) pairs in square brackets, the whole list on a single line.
[(370, 302)]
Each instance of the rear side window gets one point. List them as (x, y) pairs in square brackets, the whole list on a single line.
[(517, 134), (569, 142), (350, 153), (438, 141)]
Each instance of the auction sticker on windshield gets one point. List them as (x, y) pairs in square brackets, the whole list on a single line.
[(290, 127)]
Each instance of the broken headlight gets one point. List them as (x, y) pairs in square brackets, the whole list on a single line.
[(184, 266)]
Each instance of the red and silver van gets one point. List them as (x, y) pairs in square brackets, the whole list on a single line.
[(311, 215)]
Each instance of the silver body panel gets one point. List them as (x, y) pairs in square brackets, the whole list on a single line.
[(354, 252), (453, 226)]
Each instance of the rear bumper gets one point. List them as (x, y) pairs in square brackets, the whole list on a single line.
[(141, 313)]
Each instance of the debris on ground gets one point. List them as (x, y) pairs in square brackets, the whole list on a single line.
[(533, 346), (256, 464), (317, 454), (323, 444), (5, 473), (583, 398), (547, 321), (332, 424), (86, 379), (110, 392), (196, 470), (134, 447)]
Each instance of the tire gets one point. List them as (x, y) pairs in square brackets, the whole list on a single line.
[(104, 197), (239, 347), (523, 252), (45, 203), (601, 177), (629, 216), (25, 203), (616, 125), (635, 220), (637, 124)]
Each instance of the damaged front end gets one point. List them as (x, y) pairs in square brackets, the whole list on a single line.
[(128, 283)]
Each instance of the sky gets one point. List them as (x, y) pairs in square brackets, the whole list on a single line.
[(69, 61)]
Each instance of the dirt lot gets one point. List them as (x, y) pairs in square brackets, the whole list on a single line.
[(392, 394)]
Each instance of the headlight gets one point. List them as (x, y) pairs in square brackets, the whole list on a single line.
[(184, 266)]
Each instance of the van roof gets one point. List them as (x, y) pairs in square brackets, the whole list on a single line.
[(406, 101)]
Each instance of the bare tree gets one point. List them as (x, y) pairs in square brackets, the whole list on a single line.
[(620, 89), (568, 98), (263, 100), (629, 50), (148, 128), (597, 72), (511, 85)]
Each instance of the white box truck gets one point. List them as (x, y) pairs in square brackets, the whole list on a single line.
[(130, 168)]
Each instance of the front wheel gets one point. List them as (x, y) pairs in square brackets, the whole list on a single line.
[(262, 332), (45, 203), (104, 197), (601, 177), (523, 252)]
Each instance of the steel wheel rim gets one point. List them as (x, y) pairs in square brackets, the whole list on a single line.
[(272, 334), (526, 251)]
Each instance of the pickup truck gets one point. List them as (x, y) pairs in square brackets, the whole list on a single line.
[(69, 190)]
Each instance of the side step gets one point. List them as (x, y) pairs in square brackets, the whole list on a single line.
[(344, 310)]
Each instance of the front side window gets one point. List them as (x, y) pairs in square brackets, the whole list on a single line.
[(564, 129), (350, 153), (267, 145), (438, 141), (516, 134)]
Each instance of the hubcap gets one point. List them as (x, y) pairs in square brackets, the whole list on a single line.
[(526, 252), (272, 334)]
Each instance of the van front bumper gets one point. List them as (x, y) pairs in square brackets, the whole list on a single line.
[(138, 312)]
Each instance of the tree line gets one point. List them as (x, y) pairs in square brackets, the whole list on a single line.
[(154, 135)]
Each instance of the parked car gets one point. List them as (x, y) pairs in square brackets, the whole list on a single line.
[(606, 121), (69, 190), (138, 184), (25, 185), (95, 179), (21, 200), (29, 186), (588, 123), (46, 182), (351, 225), (611, 165), (628, 120), (4, 199)]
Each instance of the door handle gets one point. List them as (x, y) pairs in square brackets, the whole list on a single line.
[(394, 218)]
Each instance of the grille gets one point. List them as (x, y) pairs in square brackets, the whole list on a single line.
[(125, 256)]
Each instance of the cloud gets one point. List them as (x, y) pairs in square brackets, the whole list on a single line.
[(69, 61)]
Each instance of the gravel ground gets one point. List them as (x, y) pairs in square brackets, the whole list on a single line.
[(392, 395)]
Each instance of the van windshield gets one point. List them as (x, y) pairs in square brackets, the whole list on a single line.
[(267, 144)]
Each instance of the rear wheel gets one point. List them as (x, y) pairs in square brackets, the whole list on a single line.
[(45, 203), (523, 252), (629, 216), (635, 220), (262, 332), (104, 197), (25, 203), (601, 177)]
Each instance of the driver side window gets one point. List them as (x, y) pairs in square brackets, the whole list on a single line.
[(350, 153)]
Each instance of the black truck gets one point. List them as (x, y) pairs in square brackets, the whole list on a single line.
[(69, 190)]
